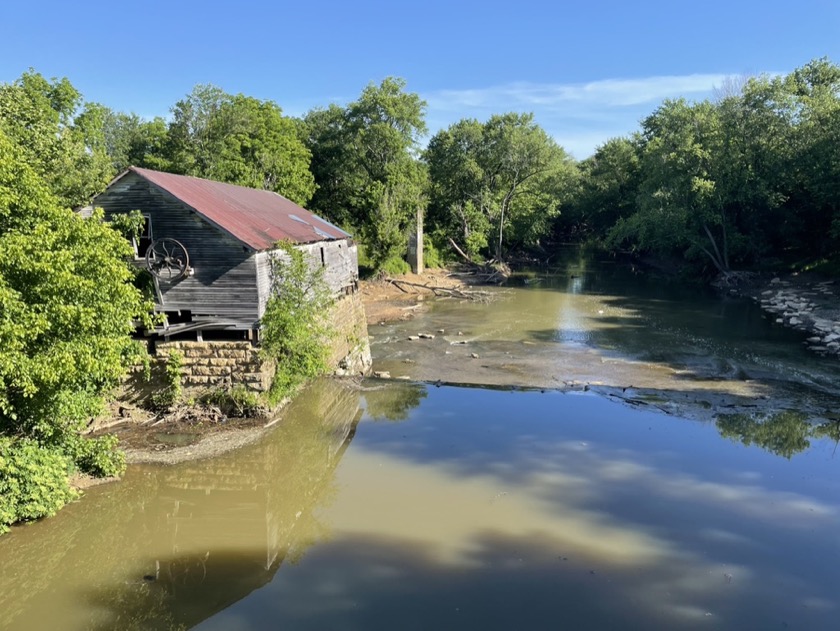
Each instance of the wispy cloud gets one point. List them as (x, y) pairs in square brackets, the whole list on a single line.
[(579, 116), (606, 93)]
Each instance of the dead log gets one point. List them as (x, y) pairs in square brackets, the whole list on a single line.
[(460, 251), (438, 290)]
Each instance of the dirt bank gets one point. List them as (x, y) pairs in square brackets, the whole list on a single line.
[(386, 301), (187, 432)]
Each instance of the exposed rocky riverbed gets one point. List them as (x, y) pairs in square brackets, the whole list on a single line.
[(801, 302)]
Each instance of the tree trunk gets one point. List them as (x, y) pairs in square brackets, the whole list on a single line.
[(718, 260)]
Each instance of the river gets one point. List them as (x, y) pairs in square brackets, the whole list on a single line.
[(592, 449)]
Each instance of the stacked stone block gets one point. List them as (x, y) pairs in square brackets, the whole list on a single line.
[(215, 364)]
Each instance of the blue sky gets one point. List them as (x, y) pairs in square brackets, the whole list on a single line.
[(588, 71)]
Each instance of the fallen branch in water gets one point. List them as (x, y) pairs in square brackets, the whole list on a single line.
[(490, 272), (438, 290)]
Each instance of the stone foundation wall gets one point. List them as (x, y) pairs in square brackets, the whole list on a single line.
[(214, 364), (350, 350)]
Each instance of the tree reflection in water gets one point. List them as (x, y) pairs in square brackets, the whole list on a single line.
[(394, 401), (170, 546), (784, 433)]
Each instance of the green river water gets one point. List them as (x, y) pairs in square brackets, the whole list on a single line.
[(594, 449)]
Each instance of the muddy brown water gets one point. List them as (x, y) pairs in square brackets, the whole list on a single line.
[(658, 498)]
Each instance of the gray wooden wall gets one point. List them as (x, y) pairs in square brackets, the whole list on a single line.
[(224, 284), (340, 260)]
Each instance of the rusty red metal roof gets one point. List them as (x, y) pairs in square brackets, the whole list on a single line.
[(257, 218)]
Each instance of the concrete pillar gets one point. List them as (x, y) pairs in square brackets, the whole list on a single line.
[(415, 245)]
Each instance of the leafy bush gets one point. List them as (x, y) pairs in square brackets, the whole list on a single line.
[(394, 266), (235, 401), (99, 457), (432, 257), (295, 330), (68, 306), (171, 392), (33, 481)]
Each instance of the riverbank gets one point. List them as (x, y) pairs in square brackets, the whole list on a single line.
[(147, 437), (803, 302), (385, 301)]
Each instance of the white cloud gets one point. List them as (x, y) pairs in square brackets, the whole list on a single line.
[(579, 116), (606, 93)]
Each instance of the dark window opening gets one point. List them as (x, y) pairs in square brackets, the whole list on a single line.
[(142, 244)]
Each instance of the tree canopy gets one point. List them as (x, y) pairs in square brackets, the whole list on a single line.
[(364, 157), (67, 306), (61, 141), (748, 180), (240, 140), (505, 177)]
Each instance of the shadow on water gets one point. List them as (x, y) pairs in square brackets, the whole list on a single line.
[(169, 546)]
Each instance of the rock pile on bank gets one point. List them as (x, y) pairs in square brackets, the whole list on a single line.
[(812, 308)]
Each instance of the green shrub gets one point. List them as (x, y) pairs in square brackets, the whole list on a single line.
[(171, 392), (99, 457), (235, 401), (394, 266), (432, 257), (33, 481), (295, 329)]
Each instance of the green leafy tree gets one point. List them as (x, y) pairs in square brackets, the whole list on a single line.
[(66, 316), (61, 141), (502, 177), (458, 204), (680, 209), (608, 190), (240, 140), (749, 179), (815, 194), (364, 158), (131, 141), (339, 181)]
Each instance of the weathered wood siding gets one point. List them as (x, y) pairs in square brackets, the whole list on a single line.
[(263, 264), (224, 283), (340, 260)]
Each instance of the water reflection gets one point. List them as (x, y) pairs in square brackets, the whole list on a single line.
[(784, 433), (170, 546), (491, 509), (510, 509), (392, 401)]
